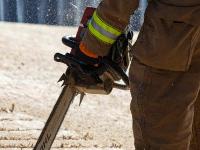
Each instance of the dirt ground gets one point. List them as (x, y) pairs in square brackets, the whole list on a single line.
[(29, 90)]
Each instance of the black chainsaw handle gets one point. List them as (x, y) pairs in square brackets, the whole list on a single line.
[(70, 42), (105, 65)]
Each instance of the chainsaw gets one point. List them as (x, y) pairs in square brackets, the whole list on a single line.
[(84, 79)]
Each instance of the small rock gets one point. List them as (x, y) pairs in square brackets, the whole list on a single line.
[(87, 136), (12, 108)]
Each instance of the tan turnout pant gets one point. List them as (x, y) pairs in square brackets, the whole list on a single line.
[(166, 105), (163, 108)]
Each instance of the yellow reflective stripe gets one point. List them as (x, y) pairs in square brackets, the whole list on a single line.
[(102, 31), (100, 36), (105, 26)]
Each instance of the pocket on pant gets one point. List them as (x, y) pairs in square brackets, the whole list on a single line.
[(165, 44), (139, 82)]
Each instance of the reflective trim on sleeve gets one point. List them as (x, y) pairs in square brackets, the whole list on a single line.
[(100, 36), (102, 30), (105, 26)]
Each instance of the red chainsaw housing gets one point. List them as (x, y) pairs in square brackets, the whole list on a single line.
[(83, 25)]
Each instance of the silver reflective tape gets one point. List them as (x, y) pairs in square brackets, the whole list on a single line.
[(103, 31)]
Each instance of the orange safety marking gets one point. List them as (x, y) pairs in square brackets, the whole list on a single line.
[(87, 52)]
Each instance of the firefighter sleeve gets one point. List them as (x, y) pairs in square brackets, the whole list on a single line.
[(108, 22)]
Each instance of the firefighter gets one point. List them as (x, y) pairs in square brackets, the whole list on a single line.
[(165, 71)]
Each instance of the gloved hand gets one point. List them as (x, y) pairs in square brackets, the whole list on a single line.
[(118, 53), (92, 69)]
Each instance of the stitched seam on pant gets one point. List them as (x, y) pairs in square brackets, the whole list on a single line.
[(148, 81), (140, 110), (195, 126), (143, 98)]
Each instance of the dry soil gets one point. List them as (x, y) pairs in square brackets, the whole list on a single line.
[(29, 90)]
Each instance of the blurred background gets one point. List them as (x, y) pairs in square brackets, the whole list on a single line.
[(55, 12)]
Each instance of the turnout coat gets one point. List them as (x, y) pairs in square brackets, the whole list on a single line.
[(166, 41)]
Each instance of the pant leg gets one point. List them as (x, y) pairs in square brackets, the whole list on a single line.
[(195, 142), (135, 106), (162, 107)]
